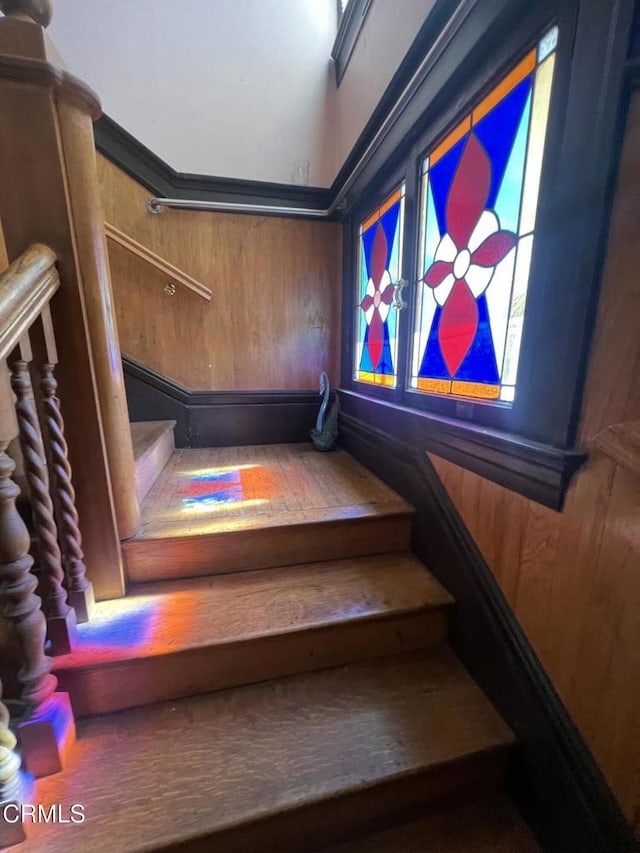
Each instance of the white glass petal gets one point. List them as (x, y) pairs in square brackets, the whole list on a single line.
[(442, 291), (383, 308), (446, 250), (487, 225), (478, 278), (498, 301)]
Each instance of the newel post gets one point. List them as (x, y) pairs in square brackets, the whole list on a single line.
[(50, 195)]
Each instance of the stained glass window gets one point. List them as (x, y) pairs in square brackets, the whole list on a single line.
[(379, 269), (479, 197)]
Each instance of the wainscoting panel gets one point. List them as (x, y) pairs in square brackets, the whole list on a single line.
[(273, 321), (219, 418)]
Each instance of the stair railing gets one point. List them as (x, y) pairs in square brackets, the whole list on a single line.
[(28, 346), (45, 606)]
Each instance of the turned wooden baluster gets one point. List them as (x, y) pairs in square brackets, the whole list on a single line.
[(20, 605), (10, 777), (13, 782), (61, 621), (80, 594)]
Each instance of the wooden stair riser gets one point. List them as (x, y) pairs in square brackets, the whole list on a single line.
[(261, 548), (142, 681), (152, 454), (354, 813)]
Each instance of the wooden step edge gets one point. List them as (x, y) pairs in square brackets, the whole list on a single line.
[(74, 661), (135, 682), (294, 521), (315, 824), (265, 547)]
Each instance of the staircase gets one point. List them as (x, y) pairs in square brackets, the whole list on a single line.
[(278, 676)]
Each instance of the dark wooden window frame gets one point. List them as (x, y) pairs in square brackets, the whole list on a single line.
[(528, 447), (350, 23)]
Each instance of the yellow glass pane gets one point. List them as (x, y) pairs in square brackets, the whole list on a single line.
[(475, 389), (376, 378), (435, 386), (535, 149)]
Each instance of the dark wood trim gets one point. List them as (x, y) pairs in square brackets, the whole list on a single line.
[(538, 471), (632, 73), (364, 147), (130, 155), (588, 100), (349, 27), (123, 149), (553, 779), (219, 418)]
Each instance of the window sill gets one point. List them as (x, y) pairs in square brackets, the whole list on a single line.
[(537, 471)]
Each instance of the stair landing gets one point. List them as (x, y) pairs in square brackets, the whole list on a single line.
[(236, 508)]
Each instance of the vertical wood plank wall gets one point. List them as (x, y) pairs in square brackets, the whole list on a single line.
[(274, 318), (573, 578)]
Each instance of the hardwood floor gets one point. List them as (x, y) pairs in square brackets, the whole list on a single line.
[(177, 638), (286, 765), (238, 508), (258, 486)]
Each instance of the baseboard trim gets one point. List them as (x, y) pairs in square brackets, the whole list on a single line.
[(219, 418), (553, 778)]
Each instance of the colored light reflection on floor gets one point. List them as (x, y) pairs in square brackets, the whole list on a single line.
[(214, 489), (120, 627)]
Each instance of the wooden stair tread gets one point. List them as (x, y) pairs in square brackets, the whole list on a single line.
[(258, 757), (230, 509), (487, 826), (172, 616), (286, 484), (174, 639), (153, 444)]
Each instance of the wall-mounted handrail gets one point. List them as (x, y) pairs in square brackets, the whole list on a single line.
[(157, 205), (175, 274), (26, 287)]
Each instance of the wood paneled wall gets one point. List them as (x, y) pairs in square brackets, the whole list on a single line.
[(573, 578), (273, 322)]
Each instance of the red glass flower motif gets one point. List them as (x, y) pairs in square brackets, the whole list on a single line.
[(378, 296), (467, 255)]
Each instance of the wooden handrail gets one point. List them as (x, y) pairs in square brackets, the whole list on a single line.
[(156, 261), (26, 287)]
